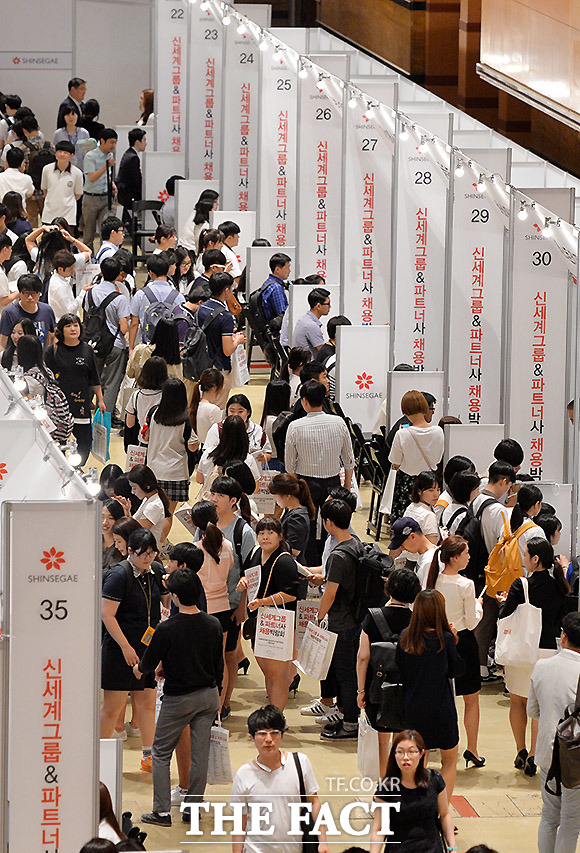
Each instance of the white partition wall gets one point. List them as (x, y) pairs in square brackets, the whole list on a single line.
[(401, 381), (258, 268), (560, 497), (320, 153), (171, 74), (298, 305), (477, 442), (157, 166), (361, 372), (368, 164)]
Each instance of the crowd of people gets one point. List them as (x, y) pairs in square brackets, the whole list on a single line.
[(157, 354)]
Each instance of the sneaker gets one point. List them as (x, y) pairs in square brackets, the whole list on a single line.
[(157, 819), (147, 766), (120, 735), (339, 732), (317, 709), (177, 795), (333, 715), (132, 731)]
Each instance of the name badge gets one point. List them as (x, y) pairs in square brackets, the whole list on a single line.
[(146, 638)]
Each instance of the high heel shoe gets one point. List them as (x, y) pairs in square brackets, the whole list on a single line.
[(245, 665), (520, 759), (469, 756), (530, 768), (294, 684)]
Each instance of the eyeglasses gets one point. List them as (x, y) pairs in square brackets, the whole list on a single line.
[(410, 752), (272, 732)]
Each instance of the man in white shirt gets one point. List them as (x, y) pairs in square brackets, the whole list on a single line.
[(272, 778), (495, 518), (112, 236), (231, 232), (14, 179), (62, 184), (554, 687), (6, 296), (61, 296), (157, 290)]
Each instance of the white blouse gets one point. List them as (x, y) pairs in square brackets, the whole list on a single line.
[(461, 606), (417, 449), (426, 517)]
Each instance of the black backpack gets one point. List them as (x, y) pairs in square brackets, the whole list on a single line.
[(256, 307), (470, 529), (97, 333), (195, 355), (155, 310), (372, 563), (38, 158), (386, 689), (280, 431)]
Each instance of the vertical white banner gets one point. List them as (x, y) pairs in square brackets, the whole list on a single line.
[(544, 265), (54, 673), (277, 146), (206, 40), (171, 75), (361, 372), (320, 153), (480, 219), (370, 146), (240, 120)]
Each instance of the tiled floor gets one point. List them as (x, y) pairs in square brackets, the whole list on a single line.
[(504, 803)]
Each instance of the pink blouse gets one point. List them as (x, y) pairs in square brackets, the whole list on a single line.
[(214, 577)]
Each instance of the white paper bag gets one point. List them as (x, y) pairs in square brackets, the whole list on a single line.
[(518, 635), (265, 502), (136, 455), (306, 611), (100, 447), (316, 651), (183, 514), (274, 634), (388, 494), (368, 749), (219, 769), (240, 372)]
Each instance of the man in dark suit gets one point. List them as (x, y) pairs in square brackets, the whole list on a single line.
[(77, 89), (129, 177)]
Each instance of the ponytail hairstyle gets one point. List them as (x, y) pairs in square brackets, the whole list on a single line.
[(541, 548), (210, 378), (451, 547), (144, 477), (424, 480), (527, 497), (230, 487), (204, 515), (296, 487)]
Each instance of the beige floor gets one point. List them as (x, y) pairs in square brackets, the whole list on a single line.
[(505, 804)]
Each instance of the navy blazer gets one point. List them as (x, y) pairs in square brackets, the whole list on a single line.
[(129, 178)]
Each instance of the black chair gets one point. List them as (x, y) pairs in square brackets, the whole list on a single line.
[(378, 482), (139, 231)]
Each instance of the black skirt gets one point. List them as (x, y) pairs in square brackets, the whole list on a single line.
[(470, 681), (116, 674)]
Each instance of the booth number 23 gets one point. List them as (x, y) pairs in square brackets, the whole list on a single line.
[(53, 609)]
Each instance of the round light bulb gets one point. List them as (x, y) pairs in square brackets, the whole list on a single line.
[(404, 134), (459, 170), (39, 413), (422, 146), (19, 384), (480, 186), (547, 230), (522, 214), (226, 20), (264, 44), (277, 54), (204, 6), (75, 459), (303, 73), (352, 101), (321, 85), (241, 29)]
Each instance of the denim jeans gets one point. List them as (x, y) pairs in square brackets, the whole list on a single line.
[(344, 664), (560, 822)]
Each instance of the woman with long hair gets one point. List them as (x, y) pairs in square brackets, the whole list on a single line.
[(41, 383), (146, 105), (203, 409), (109, 474), (278, 588), (233, 446), (200, 220), (147, 394), (297, 358), (185, 270), (547, 589), (464, 612), (43, 243), (111, 511), (9, 358), (73, 363), (154, 504), (276, 401), (108, 823), (164, 344), (68, 131), (293, 496), (427, 659), (424, 496), (168, 438), (423, 798), (16, 220), (238, 404)]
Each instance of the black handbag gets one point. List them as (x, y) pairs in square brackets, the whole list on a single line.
[(386, 689), (310, 841)]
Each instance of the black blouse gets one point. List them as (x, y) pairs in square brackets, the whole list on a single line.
[(284, 574)]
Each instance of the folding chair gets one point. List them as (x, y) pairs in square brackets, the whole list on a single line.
[(139, 232)]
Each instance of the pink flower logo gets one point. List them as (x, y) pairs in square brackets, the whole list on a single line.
[(3, 470), (163, 195), (53, 559), (16, 60), (364, 380)]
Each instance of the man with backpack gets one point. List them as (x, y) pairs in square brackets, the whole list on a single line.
[(29, 305), (483, 527), (273, 293), (554, 688), (157, 299), (213, 260), (339, 602), (106, 324)]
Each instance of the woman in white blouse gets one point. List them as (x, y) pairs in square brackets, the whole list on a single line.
[(416, 448), (423, 499), (464, 611)]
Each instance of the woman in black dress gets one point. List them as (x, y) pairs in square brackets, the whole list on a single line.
[(278, 587), (427, 659), (73, 363), (422, 797), (131, 610), (403, 587), (293, 496)]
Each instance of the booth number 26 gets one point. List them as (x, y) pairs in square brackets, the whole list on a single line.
[(53, 609)]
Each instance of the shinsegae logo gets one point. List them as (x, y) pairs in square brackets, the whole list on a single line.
[(16, 60), (363, 380), (163, 195), (3, 471), (53, 559)]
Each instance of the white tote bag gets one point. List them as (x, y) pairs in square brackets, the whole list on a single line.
[(316, 651), (264, 500), (240, 372), (388, 493), (518, 635), (219, 769), (367, 749), (274, 634)]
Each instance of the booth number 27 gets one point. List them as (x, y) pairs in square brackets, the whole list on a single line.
[(53, 609)]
